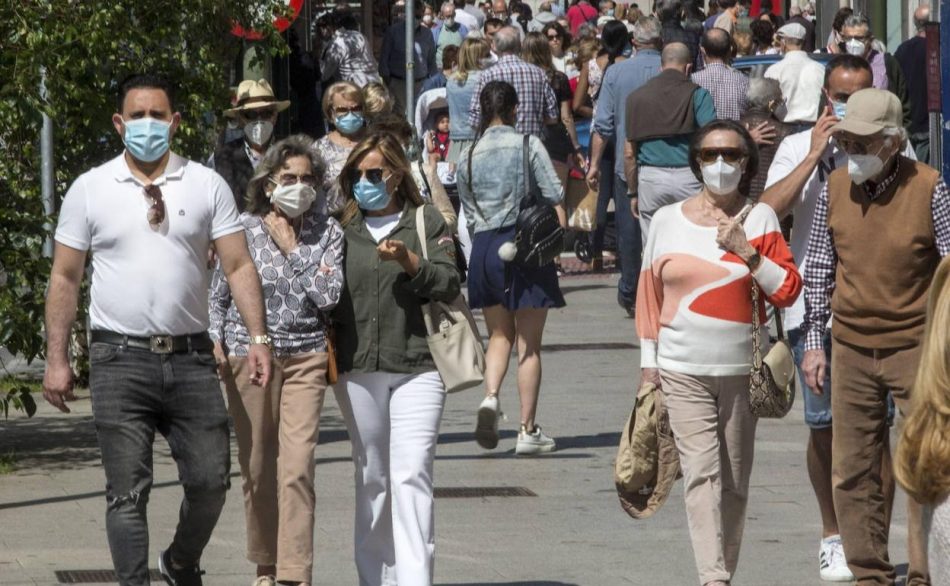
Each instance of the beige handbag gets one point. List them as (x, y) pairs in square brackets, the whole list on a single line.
[(452, 334), (772, 379)]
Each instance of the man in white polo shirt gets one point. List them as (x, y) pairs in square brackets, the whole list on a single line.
[(799, 75), (148, 217)]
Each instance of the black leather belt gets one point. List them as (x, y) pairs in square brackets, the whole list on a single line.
[(156, 344)]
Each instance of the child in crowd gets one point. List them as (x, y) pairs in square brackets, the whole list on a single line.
[(437, 141)]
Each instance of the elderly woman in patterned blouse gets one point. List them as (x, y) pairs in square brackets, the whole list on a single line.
[(298, 252)]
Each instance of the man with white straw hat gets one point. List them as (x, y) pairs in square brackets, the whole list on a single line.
[(256, 112), (881, 226), (800, 76)]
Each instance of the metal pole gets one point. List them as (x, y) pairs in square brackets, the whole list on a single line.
[(939, 133), (46, 168), (410, 58)]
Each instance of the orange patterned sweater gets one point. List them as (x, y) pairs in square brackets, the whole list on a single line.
[(694, 303)]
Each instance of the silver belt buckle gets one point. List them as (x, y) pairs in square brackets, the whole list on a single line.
[(161, 344)]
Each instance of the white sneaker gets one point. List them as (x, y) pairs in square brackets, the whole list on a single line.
[(265, 581), (533, 442), (486, 428), (832, 566)]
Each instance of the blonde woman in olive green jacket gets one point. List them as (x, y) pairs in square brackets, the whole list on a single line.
[(389, 390)]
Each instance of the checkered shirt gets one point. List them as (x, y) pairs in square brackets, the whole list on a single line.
[(536, 101), (728, 88), (821, 260)]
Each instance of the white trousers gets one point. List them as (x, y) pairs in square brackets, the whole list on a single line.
[(393, 422)]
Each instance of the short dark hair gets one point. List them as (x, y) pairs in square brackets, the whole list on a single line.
[(841, 16), (668, 10), (394, 124), (749, 148), (726, 4), (846, 61), (495, 23), (717, 43), (145, 81)]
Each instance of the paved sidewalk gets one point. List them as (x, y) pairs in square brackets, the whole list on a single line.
[(572, 533)]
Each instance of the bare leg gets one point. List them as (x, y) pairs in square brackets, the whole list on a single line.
[(529, 325), (819, 472), (501, 337)]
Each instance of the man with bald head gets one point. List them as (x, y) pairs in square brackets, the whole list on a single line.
[(661, 118), (537, 104), (727, 86), (912, 56)]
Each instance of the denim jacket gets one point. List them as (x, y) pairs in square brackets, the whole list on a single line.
[(498, 178)]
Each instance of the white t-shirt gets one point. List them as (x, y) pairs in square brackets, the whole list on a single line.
[(790, 154), (148, 281), (381, 226)]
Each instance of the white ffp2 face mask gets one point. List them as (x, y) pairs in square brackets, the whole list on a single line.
[(855, 47), (863, 167), (721, 177), (294, 199), (259, 131)]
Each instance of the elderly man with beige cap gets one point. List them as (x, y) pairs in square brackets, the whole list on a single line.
[(881, 226), (800, 76), (256, 113)]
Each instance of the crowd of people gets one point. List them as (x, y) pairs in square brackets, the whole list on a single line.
[(283, 267)]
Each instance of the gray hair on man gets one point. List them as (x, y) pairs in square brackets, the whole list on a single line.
[(763, 92), (646, 31), (507, 41), (857, 19), (446, 4)]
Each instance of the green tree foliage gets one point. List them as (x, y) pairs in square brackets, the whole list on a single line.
[(87, 47)]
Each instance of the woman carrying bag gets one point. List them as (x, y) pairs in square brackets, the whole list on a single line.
[(298, 252), (389, 392), (514, 298), (694, 319)]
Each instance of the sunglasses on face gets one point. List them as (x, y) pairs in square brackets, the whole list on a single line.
[(258, 114), (729, 155), (553, 38), (288, 179), (347, 109), (156, 212), (854, 147), (372, 175)]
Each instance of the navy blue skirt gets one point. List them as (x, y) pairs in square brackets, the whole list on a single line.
[(492, 281)]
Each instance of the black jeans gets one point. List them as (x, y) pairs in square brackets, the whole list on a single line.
[(135, 392)]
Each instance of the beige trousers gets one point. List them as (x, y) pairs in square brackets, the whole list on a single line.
[(276, 431), (715, 435)]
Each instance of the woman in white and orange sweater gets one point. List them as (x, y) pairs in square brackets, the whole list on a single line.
[(694, 320)]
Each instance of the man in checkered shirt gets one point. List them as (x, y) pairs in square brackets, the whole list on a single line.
[(727, 86), (537, 105)]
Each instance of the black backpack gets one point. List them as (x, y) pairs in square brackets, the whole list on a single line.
[(539, 237)]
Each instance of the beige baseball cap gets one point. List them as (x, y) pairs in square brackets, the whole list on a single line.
[(870, 111)]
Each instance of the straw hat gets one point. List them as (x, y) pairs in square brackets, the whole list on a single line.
[(253, 95)]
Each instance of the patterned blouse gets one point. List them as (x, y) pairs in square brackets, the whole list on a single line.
[(298, 288), (335, 157)]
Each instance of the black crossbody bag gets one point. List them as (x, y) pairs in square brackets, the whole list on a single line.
[(539, 237)]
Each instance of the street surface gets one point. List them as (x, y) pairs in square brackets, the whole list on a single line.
[(573, 532)]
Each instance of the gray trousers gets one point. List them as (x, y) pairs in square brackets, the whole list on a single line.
[(661, 186)]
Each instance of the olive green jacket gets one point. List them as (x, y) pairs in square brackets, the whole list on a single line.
[(378, 320)]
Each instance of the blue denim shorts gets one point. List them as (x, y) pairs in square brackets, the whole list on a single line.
[(818, 407)]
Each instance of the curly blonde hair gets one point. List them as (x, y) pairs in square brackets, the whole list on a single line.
[(377, 100), (922, 462)]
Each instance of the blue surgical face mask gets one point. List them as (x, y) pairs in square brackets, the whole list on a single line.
[(371, 196), (349, 123), (146, 139), (839, 108)]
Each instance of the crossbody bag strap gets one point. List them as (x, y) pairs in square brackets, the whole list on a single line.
[(756, 319), (528, 199), (421, 230)]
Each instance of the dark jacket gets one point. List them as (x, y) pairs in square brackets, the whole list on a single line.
[(231, 162), (378, 320)]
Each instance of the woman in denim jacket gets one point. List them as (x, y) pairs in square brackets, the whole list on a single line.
[(514, 299)]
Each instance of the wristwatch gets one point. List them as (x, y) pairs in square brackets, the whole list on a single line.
[(262, 339), (754, 261), (632, 195)]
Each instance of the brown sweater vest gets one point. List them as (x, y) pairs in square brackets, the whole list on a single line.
[(887, 255)]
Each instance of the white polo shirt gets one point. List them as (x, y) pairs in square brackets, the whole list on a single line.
[(148, 281), (801, 79)]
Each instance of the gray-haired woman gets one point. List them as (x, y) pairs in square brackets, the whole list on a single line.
[(298, 252)]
